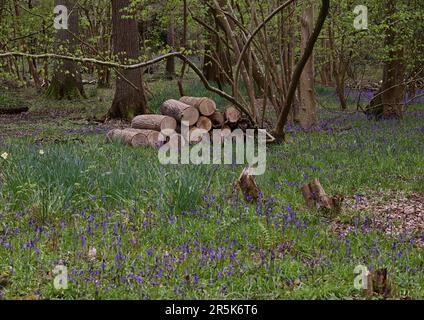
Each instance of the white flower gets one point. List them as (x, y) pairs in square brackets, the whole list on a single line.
[(4, 155), (41, 151), (92, 252)]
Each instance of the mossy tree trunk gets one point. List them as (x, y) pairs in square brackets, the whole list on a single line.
[(67, 80), (129, 100)]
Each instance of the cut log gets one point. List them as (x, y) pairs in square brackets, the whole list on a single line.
[(206, 106), (315, 196), (217, 119), (204, 123), (155, 122), (232, 115), (134, 137), (180, 111), (112, 134)]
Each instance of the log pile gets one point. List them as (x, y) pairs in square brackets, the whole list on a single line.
[(198, 112)]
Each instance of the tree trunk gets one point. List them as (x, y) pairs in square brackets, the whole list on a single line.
[(306, 114), (393, 91), (170, 62), (129, 99), (67, 81), (278, 132), (217, 59)]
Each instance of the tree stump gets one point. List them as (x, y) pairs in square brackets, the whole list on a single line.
[(315, 196), (378, 283), (247, 185)]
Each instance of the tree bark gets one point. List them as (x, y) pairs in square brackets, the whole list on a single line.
[(393, 91), (67, 80), (306, 114), (128, 101)]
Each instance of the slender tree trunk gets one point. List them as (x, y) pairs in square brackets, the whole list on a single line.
[(128, 101), (217, 61), (67, 81), (306, 114), (283, 116), (170, 62), (103, 73)]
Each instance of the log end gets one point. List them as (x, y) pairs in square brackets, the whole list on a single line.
[(190, 115)]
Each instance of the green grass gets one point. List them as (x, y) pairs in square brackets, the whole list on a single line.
[(180, 232), (7, 101)]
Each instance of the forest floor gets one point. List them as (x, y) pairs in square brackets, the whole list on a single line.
[(127, 227)]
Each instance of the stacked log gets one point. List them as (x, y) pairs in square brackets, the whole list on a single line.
[(134, 137), (206, 106), (232, 114), (180, 111), (197, 112), (154, 122), (218, 119), (204, 123)]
